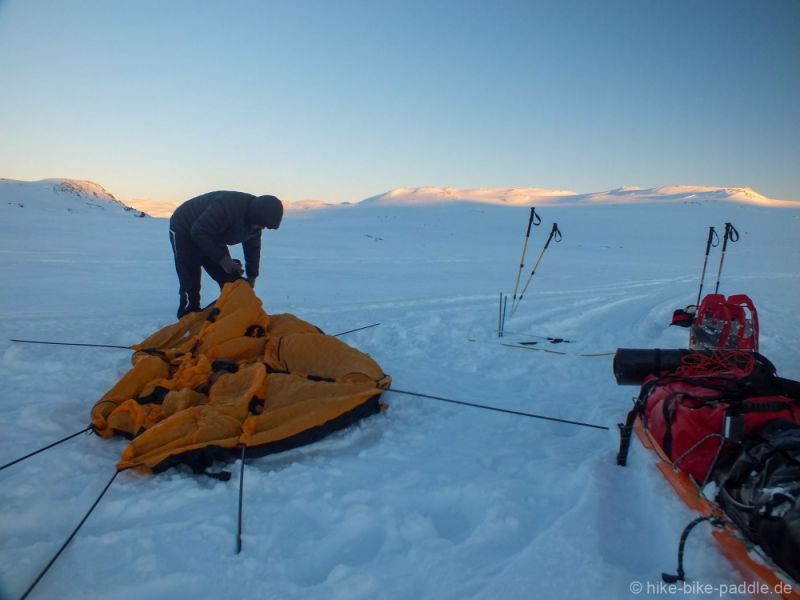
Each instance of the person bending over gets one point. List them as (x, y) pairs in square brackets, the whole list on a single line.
[(202, 228)]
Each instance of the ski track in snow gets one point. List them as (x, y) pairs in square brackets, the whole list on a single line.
[(425, 500)]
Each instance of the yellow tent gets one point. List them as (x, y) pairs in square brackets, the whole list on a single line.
[(232, 376)]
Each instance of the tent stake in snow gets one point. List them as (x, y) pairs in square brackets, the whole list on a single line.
[(730, 235), (500, 317), (555, 234), (241, 491), (535, 220), (501, 321), (712, 235), (505, 305)]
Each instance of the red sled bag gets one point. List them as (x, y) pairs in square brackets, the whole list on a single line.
[(699, 420), (722, 323)]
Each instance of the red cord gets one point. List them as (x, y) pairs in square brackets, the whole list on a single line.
[(734, 363)]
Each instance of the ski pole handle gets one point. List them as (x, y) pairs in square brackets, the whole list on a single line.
[(731, 234), (533, 220), (555, 233), (712, 235)]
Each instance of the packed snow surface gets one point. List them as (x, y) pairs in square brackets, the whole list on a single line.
[(425, 500)]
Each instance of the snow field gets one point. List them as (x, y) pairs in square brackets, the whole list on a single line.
[(426, 499)]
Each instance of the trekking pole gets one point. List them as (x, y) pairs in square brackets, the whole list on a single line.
[(61, 441), (555, 233), (536, 220), (505, 303), (712, 234), (730, 235), (69, 539)]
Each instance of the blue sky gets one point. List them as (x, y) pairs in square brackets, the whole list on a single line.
[(339, 100)]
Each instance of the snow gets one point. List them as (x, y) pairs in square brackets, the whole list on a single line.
[(61, 195), (433, 196), (425, 500), (553, 197), (155, 208), (437, 195)]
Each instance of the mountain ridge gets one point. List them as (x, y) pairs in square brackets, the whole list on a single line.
[(560, 197), (81, 194)]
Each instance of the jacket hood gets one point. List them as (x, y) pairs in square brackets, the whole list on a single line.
[(266, 211)]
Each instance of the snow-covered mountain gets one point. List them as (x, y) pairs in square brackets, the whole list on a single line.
[(155, 208), (306, 205), (521, 196), (60, 195), (165, 208), (526, 196), (81, 196)]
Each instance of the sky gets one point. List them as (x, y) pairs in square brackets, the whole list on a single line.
[(339, 100)]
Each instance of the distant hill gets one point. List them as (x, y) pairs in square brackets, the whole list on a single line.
[(61, 195), (159, 208), (549, 197), (155, 208), (73, 196), (522, 196)]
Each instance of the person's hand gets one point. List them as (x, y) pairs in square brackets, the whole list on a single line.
[(251, 281), (231, 266)]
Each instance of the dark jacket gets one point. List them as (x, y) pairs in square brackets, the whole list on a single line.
[(219, 219)]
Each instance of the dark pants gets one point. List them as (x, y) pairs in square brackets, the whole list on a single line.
[(188, 261)]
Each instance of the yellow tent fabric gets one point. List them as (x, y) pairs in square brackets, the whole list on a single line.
[(231, 376), (321, 357)]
